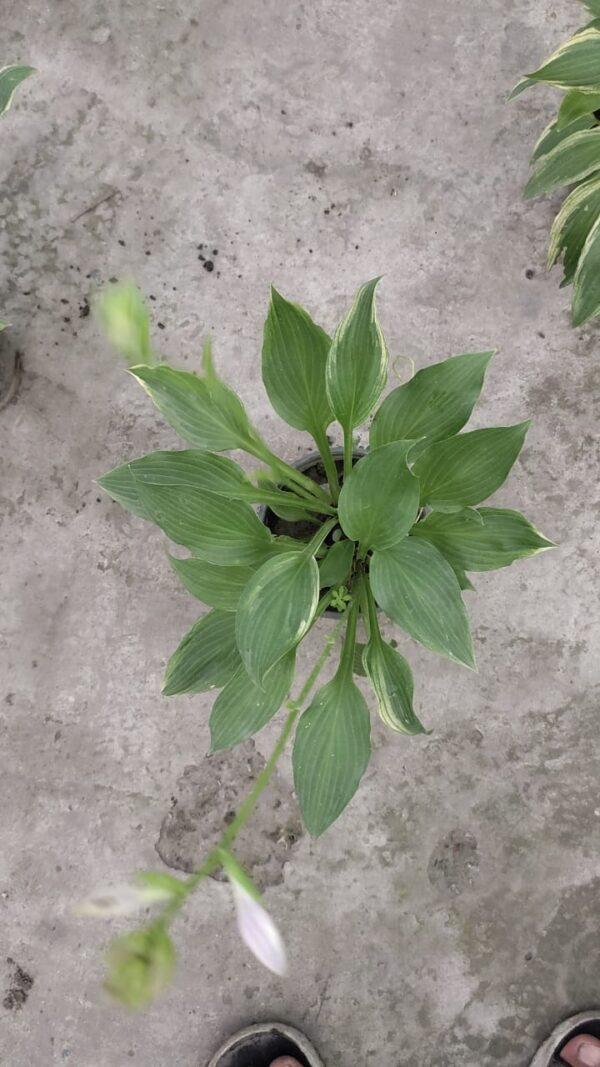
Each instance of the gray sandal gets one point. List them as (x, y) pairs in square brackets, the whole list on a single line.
[(586, 1022), (259, 1045)]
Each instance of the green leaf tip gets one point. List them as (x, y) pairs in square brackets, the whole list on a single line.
[(10, 79)]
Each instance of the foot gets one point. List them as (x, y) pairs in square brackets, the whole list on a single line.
[(580, 1051)]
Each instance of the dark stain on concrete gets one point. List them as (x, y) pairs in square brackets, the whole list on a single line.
[(19, 988), (454, 863), (205, 802)]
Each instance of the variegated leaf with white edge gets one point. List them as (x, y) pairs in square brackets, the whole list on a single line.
[(575, 158), (469, 467), (417, 588), (275, 610)]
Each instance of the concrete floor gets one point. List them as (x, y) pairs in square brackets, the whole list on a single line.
[(450, 917)]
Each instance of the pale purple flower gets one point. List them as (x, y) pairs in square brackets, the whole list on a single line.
[(258, 930)]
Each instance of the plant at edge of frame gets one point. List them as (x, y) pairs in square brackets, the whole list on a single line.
[(10, 78), (568, 154), (395, 531)]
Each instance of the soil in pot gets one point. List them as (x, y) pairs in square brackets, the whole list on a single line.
[(303, 529)]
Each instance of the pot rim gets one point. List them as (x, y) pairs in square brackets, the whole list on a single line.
[(299, 1039)]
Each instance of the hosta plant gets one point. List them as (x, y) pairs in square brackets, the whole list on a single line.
[(568, 154), (390, 535)]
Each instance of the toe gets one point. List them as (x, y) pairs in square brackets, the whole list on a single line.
[(285, 1061), (582, 1051)]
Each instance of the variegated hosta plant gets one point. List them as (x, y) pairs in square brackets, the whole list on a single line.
[(568, 154), (392, 534)]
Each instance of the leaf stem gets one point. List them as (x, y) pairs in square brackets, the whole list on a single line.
[(292, 501), (329, 463), (213, 860), (288, 474), (348, 450), (315, 542)]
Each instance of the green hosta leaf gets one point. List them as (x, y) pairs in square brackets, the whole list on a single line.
[(462, 578), (357, 362), (203, 411), (219, 587), (10, 79), (417, 588), (294, 356), (332, 744), (335, 567), (275, 610), (222, 531), (503, 537), (207, 658), (468, 468), (574, 105), (520, 87), (593, 6), (571, 161), (575, 65), (391, 678), (586, 283), (379, 500), (552, 136), (468, 514), (125, 320), (242, 708), (200, 470), (573, 224), (434, 404), (140, 965)]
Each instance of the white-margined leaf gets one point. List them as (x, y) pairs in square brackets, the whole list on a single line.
[(275, 610), (392, 681), (224, 532), (436, 403), (417, 588), (574, 105), (468, 468), (243, 707), (502, 537), (571, 161), (586, 283), (207, 657), (294, 356), (10, 78), (357, 361), (572, 225), (379, 500), (219, 587), (575, 65), (202, 410), (552, 136)]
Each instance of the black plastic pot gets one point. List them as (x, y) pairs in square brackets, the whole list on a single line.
[(302, 529)]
